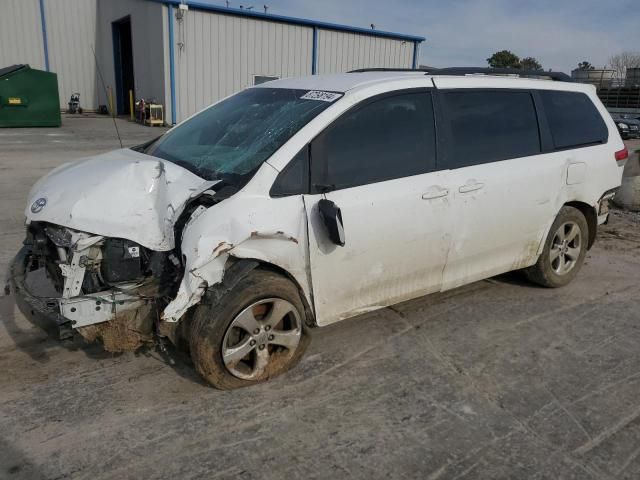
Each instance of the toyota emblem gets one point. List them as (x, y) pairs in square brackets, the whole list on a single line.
[(38, 205)]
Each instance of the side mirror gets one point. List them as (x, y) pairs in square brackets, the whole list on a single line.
[(332, 219)]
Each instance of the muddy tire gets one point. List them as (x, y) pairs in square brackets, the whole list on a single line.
[(253, 333), (564, 250)]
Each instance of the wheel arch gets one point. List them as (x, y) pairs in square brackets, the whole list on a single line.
[(590, 215), (236, 268)]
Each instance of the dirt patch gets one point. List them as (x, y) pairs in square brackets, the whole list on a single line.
[(622, 232), (126, 333)]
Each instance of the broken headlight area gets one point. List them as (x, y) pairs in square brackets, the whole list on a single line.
[(107, 288)]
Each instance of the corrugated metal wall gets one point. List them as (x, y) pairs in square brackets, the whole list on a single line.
[(71, 33), (217, 55), (343, 51), (21, 33)]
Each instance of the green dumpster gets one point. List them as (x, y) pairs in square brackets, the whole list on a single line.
[(28, 97)]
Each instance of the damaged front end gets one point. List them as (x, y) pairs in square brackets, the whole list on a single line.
[(107, 289)]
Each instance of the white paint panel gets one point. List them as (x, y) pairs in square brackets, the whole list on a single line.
[(217, 55), (71, 33), (340, 52), (21, 34)]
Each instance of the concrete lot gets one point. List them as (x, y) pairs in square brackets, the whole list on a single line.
[(499, 379)]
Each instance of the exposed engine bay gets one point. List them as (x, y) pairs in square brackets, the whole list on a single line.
[(110, 289), (127, 269)]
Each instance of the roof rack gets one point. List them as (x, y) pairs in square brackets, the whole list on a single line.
[(557, 76), (385, 69)]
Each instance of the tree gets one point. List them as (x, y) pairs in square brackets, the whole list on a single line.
[(504, 59), (530, 63), (584, 65), (619, 63)]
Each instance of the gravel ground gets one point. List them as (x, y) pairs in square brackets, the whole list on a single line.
[(498, 379)]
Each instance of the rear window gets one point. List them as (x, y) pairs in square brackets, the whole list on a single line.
[(487, 126), (573, 119)]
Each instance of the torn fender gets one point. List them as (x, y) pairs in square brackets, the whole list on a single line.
[(269, 230)]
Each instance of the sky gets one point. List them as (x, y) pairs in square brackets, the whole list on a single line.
[(558, 33)]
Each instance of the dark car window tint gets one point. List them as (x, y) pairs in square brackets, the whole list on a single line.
[(294, 178), (487, 126), (574, 120), (389, 138)]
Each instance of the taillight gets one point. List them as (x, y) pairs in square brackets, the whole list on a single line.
[(622, 156)]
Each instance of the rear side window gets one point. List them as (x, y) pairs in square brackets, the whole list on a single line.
[(573, 119), (392, 137), (488, 126)]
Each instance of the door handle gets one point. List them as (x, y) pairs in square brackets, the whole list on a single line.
[(435, 193), (470, 187)]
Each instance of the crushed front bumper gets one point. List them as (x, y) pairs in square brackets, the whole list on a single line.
[(43, 311), (122, 320)]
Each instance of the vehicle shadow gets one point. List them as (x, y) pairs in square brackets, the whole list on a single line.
[(36, 337), (15, 465), (178, 359), (517, 278)]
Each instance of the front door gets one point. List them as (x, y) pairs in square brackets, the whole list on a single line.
[(377, 164)]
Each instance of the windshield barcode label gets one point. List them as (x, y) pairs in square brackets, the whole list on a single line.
[(320, 95)]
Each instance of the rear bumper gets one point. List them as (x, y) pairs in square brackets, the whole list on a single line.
[(43, 311)]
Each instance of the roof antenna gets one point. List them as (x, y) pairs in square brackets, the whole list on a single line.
[(106, 94), (266, 7)]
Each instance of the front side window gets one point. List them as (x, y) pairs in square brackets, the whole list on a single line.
[(573, 119), (488, 126), (389, 138), (231, 139)]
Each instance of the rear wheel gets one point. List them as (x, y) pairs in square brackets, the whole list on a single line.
[(564, 250), (254, 333)]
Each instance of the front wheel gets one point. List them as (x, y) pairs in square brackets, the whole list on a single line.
[(255, 332), (564, 250)]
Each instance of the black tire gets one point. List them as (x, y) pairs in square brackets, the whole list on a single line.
[(544, 272), (211, 320)]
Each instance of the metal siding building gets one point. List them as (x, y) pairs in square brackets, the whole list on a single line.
[(71, 33), (21, 34), (185, 60), (343, 51)]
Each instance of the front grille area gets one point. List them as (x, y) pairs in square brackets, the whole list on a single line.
[(108, 263)]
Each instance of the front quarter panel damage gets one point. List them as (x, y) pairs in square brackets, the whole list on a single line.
[(270, 230)]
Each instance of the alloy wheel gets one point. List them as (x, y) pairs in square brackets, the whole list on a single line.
[(565, 248), (261, 338)]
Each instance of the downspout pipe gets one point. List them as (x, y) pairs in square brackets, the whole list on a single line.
[(45, 43), (172, 66), (314, 52)]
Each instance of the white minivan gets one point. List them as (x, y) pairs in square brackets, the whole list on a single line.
[(304, 201)]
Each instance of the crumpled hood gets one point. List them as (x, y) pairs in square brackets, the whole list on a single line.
[(124, 194)]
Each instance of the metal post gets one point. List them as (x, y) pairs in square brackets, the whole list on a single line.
[(131, 105)]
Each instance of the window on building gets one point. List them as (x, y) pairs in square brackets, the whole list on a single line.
[(390, 138), (573, 119), (488, 126)]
